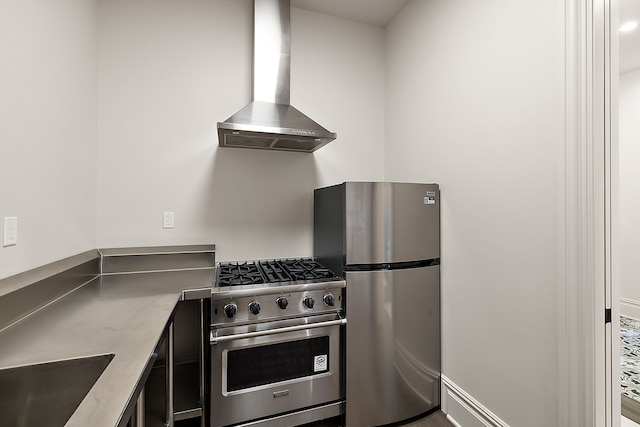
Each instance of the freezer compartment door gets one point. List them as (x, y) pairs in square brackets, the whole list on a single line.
[(391, 222), (392, 345)]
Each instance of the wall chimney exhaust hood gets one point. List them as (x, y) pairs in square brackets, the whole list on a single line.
[(269, 121)]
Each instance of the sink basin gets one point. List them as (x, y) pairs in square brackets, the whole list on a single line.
[(47, 394)]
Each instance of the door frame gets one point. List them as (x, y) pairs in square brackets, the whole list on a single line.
[(589, 380)]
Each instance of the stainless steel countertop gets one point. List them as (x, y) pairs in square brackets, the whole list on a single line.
[(121, 314)]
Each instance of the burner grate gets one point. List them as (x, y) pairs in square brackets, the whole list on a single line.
[(272, 271), (306, 269), (239, 273)]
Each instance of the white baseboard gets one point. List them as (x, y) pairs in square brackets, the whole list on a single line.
[(463, 410), (630, 308)]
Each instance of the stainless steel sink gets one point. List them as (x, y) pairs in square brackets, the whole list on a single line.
[(47, 394)]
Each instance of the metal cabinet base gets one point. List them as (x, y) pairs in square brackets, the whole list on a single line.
[(179, 389)]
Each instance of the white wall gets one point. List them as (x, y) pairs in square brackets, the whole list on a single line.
[(629, 135), (170, 70), (48, 99), (468, 94), (474, 98)]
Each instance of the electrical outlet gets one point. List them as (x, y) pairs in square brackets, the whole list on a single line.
[(167, 220), (10, 230)]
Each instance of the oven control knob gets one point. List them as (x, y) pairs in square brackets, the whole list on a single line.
[(329, 300), (308, 302), (230, 310), (254, 307), (282, 302)]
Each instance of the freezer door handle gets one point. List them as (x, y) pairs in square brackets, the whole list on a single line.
[(393, 265)]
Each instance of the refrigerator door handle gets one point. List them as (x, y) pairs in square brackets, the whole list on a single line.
[(393, 265)]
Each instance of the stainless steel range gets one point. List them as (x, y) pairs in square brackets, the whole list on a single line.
[(276, 337)]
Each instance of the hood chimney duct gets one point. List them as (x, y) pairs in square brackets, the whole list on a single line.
[(269, 121)]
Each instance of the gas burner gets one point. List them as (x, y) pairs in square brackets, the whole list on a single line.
[(272, 271), (239, 273), (306, 269)]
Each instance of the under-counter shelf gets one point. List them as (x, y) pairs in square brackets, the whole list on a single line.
[(186, 359), (186, 402), (186, 391)]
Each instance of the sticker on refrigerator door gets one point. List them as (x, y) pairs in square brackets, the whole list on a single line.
[(429, 201), (320, 363)]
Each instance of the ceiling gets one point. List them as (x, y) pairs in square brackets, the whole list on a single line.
[(630, 41), (381, 12), (375, 12)]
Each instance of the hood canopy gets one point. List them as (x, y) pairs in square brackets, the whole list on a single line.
[(269, 121)]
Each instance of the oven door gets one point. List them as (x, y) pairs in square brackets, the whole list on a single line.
[(263, 370)]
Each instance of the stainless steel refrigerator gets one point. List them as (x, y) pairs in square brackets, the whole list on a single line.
[(384, 238)]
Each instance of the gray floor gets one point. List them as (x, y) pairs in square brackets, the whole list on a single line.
[(630, 367), (437, 419)]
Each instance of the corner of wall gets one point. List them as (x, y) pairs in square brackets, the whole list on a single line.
[(630, 308), (463, 410)]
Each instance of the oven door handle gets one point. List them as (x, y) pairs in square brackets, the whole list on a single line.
[(216, 340)]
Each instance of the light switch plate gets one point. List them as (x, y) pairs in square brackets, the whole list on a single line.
[(10, 230)]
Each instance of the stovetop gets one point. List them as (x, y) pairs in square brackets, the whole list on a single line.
[(274, 271), (258, 291)]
